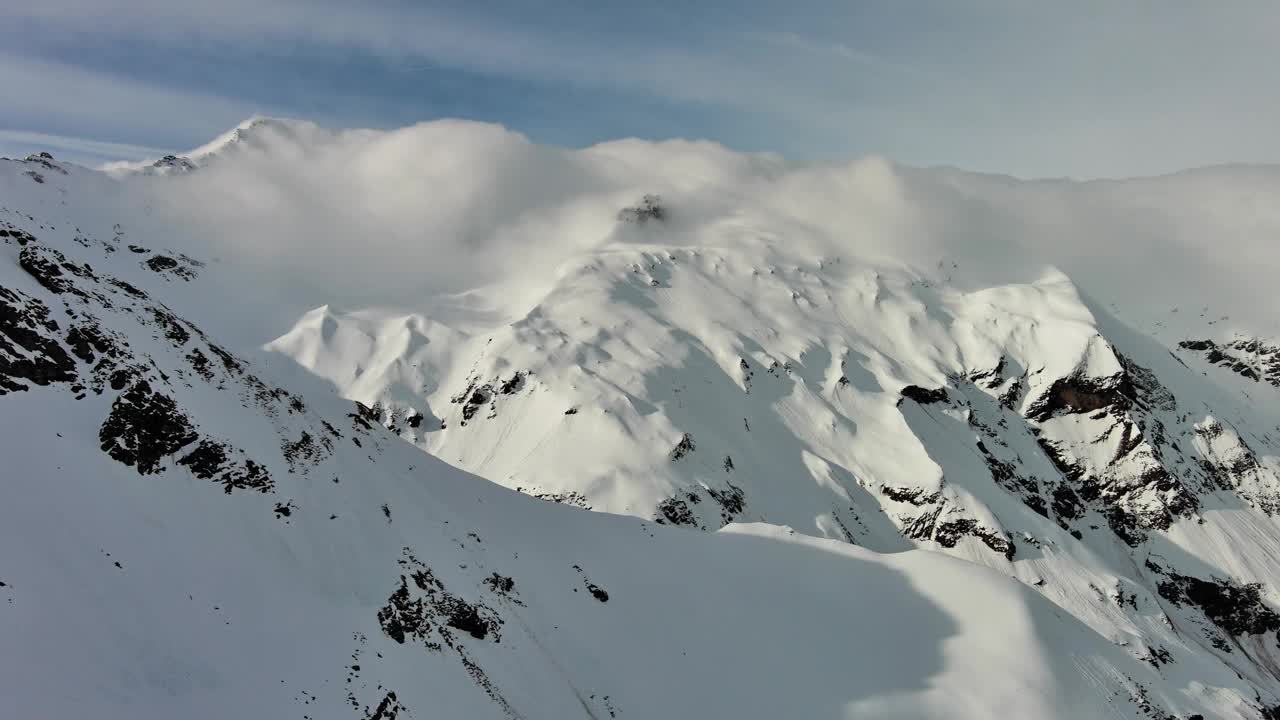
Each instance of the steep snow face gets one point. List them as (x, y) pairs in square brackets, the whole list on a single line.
[(806, 367)]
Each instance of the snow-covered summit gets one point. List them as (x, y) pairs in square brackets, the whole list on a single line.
[(254, 133)]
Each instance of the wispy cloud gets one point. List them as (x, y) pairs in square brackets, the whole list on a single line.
[(722, 70), (995, 85), (74, 147), (57, 93)]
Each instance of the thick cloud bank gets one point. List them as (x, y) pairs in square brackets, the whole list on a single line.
[(364, 217)]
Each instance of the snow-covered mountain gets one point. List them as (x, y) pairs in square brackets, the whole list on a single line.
[(805, 441), (254, 134)]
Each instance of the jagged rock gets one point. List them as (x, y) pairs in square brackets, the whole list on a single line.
[(52, 270), (924, 396), (1080, 394), (1237, 609), (682, 448), (914, 496), (732, 501), (174, 164), (389, 708), (1250, 358), (572, 497), (144, 427), (435, 603), (29, 351), (676, 511), (939, 526), (211, 460), (649, 208), (596, 591), (514, 383)]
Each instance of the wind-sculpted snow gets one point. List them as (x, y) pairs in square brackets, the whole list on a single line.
[(803, 410)]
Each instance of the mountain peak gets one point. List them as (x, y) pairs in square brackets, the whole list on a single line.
[(255, 130)]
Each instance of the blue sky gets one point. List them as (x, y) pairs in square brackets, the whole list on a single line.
[(1025, 87)]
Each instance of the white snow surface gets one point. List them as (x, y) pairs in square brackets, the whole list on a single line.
[(845, 441)]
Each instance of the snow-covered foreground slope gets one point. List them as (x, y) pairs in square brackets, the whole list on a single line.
[(815, 371)]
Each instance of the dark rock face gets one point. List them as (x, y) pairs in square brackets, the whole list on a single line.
[(1067, 504), (949, 532), (1139, 489), (369, 415), (127, 288), (200, 363), (1126, 526), (1079, 394), (424, 613), (684, 447), (86, 340), (428, 613), (174, 163), (1005, 474), (206, 460), (1237, 609), (388, 708), (145, 424), (305, 451), (596, 591), (1229, 464), (29, 352), (404, 617), (944, 526), (160, 263), (732, 501), (212, 460), (143, 428), (12, 234), (914, 496), (463, 616), (1249, 358), (1148, 393), (183, 267), (676, 511), (477, 395), (924, 396), (53, 271), (500, 584), (513, 384), (478, 398), (45, 161), (650, 208)]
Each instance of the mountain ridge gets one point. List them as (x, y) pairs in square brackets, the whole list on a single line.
[(695, 367)]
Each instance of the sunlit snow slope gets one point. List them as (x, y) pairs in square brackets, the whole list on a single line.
[(226, 380)]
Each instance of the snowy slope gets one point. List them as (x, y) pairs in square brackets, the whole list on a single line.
[(815, 370)]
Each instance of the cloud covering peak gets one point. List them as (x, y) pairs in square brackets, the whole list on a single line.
[(407, 217)]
